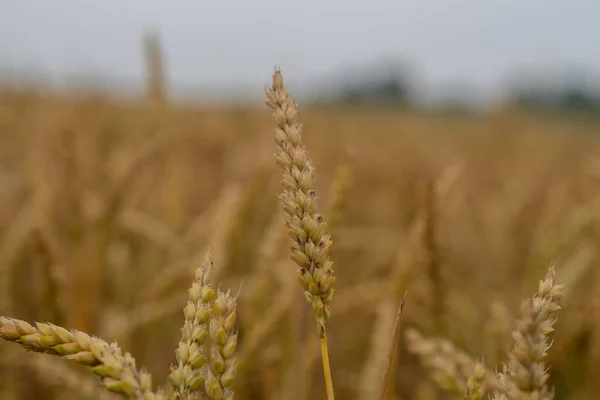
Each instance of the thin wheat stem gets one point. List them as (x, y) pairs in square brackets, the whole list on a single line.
[(326, 366), (385, 377)]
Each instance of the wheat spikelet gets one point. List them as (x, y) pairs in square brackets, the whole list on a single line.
[(223, 364)]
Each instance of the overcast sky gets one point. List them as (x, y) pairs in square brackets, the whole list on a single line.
[(220, 42)]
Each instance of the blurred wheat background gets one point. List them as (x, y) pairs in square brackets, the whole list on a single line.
[(108, 204)]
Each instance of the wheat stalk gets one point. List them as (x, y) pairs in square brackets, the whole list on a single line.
[(387, 365)]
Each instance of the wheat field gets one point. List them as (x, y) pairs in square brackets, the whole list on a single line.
[(109, 206)]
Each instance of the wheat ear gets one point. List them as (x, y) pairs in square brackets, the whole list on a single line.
[(188, 376), (117, 370), (525, 376), (59, 374), (310, 246), (208, 314), (450, 366)]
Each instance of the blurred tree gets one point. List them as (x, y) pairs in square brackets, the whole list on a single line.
[(578, 99), (387, 83)]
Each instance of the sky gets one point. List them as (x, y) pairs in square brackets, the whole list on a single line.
[(221, 44)]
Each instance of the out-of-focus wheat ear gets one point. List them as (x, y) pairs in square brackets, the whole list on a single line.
[(402, 276), (443, 369), (221, 218), (450, 367), (117, 370), (340, 186), (306, 227), (475, 383), (12, 242), (188, 377), (155, 71), (57, 373), (525, 375), (223, 363)]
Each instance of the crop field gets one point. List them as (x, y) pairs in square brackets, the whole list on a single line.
[(110, 209)]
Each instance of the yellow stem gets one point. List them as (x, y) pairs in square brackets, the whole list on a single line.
[(326, 367)]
